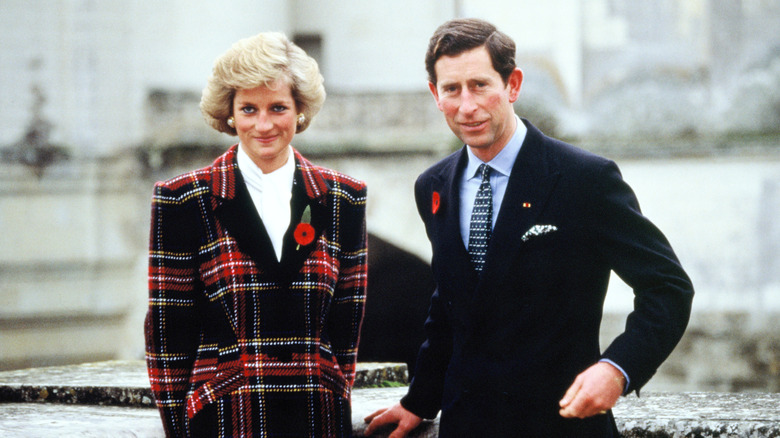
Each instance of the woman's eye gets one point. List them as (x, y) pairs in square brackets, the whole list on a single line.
[(247, 110), (279, 108)]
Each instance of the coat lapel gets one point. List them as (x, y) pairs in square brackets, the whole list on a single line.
[(236, 211), (310, 188), (294, 255)]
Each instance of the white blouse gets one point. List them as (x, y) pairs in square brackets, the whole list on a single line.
[(271, 194)]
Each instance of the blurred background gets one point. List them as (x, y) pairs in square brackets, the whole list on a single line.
[(99, 99)]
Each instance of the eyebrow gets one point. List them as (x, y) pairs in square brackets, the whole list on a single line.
[(276, 102), (468, 81)]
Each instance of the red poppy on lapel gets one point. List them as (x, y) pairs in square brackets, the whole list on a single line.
[(435, 202), (304, 232)]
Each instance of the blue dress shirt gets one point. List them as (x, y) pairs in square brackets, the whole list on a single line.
[(502, 167)]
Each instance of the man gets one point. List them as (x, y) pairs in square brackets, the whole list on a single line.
[(512, 333)]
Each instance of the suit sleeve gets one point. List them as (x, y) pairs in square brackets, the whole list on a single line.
[(427, 387), (171, 329), (640, 254), (347, 307)]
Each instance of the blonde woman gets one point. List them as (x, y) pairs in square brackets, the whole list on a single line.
[(257, 265)]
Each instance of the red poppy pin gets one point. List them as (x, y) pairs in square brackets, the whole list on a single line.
[(304, 232), (435, 202)]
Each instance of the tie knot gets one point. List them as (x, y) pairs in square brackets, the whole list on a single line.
[(484, 171)]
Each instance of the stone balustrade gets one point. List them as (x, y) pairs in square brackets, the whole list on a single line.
[(113, 399)]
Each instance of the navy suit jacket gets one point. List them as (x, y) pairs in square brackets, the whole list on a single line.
[(503, 347)]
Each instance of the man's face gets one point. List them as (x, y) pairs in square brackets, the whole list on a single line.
[(475, 101)]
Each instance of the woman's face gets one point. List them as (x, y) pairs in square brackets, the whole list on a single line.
[(266, 118)]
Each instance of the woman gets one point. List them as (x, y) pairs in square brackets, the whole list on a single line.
[(257, 266)]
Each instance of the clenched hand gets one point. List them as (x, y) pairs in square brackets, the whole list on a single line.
[(593, 392)]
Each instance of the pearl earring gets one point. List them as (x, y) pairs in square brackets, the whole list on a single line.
[(301, 119), (231, 122)]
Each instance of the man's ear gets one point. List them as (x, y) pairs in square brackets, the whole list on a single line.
[(514, 83), (435, 92)]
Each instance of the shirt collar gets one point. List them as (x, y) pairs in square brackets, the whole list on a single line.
[(279, 180), (504, 160)]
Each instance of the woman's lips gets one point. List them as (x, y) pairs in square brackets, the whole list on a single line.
[(266, 139)]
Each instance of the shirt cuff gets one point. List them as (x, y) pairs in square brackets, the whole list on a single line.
[(622, 371)]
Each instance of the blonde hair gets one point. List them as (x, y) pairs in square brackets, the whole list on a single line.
[(262, 60)]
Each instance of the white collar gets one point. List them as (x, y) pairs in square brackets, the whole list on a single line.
[(280, 180)]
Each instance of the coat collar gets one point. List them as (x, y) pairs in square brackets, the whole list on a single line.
[(225, 177), (236, 211)]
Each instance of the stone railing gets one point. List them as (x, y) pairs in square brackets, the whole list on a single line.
[(113, 399)]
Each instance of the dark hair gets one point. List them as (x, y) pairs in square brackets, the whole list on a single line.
[(463, 34)]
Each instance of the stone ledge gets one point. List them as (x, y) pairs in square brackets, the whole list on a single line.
[(657, 415), (125, 383), (699, 414), (122, 384)]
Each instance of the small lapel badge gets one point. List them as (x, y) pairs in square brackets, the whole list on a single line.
[(526, 205), (435, 202)]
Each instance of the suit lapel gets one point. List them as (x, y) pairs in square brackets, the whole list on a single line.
[(449, 249), (530, 185)]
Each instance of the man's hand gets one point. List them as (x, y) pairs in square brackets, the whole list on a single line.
[(406, 421), (593, 392)]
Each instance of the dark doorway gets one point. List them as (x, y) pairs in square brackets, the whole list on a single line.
[(399, 291)]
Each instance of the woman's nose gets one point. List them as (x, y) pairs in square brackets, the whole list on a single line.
[(263, 122)]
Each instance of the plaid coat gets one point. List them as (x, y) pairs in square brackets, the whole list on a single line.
[(238, 343)]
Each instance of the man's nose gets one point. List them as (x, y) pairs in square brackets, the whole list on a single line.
[(468, 102)]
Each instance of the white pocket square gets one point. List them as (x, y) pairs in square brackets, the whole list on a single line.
[(538, 230)]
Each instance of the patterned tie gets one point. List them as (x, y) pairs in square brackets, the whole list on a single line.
[(481, 218)]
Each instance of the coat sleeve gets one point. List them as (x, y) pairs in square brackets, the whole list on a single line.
[(347, 306), (641, 255), (427, 387), (171, 329)]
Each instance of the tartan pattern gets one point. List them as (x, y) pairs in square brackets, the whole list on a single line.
[(230, 346)]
